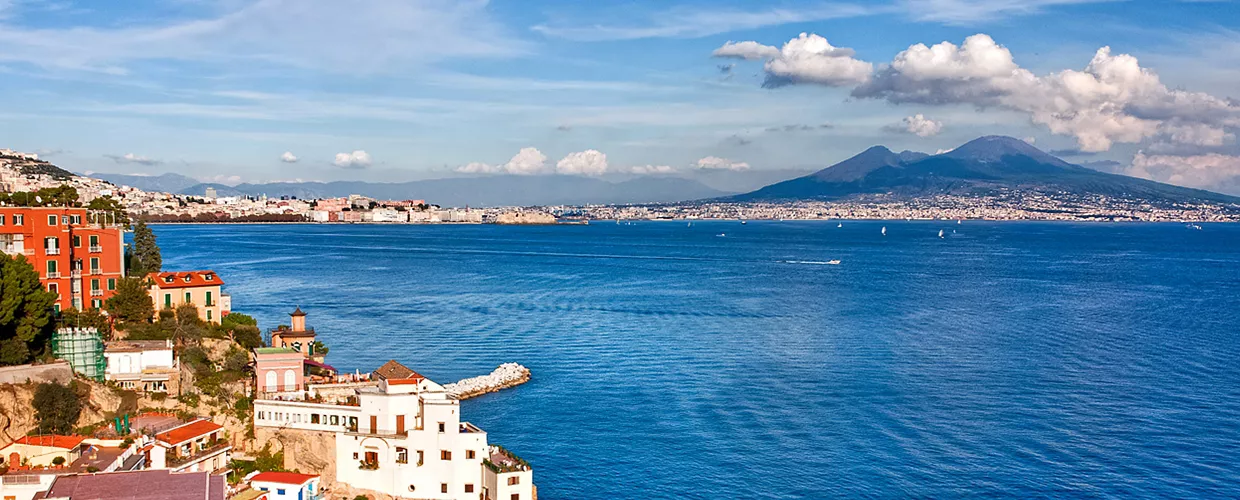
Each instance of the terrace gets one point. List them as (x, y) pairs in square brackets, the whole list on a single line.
[(502, 460)]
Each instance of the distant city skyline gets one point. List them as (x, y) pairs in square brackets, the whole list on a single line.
[(234, 91)]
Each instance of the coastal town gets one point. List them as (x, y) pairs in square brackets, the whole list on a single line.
[(120, 376)]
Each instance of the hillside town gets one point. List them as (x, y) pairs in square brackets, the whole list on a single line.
[(120, 376)]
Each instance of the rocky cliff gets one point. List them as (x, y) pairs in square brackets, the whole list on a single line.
[(525, 218)]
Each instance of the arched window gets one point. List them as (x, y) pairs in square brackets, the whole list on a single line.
[(271, 380), (290, 380)]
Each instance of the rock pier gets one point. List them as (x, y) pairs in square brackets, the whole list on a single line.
[(507, 375)]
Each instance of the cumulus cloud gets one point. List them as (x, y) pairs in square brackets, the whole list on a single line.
[(588, 162), (1209, 171), (528, 161), (289, 157), (808, 58), (1112, 100), (717, 163), (749, 51), (917, 125), (651, 170), (356, 159), (133, 158)]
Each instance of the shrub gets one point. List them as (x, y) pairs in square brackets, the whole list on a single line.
[(58, 461), (56, 407)]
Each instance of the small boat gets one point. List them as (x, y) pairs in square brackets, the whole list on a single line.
[(840, 225), (884, 230), (721, 235), (940, 233), (834, 262), (743, 222), (957, 221), (690, 225)]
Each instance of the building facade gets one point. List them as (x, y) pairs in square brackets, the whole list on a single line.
[(79, 255), (404, 437), (287, 485), (198, 445), (296, 336), (279, 372), (200, 288), (142, 365)]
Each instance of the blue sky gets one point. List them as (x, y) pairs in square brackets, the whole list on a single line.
[(393, 90)]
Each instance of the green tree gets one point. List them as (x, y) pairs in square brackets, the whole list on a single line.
[(131, 304), (188, 327), (109, 210), (56, 407), (25, 310), (318, 347), (90, 318), (145, 258)]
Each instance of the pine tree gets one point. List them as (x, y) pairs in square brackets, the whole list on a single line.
[(145, 258), (25, 310), (132, 302)]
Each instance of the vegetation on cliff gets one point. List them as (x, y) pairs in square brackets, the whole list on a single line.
[(25, 311)]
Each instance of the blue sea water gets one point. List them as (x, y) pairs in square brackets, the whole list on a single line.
[(1011, 359)]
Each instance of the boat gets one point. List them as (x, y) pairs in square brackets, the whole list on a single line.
[(834, 262), (840, 225), (721, 235), (957, 221), (940, 233), (884, 230), (743, 222)]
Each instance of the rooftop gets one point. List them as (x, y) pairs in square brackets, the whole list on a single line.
[(275, 350), (192, 430), (283, 477), (137, 345), (186, 279), (52, 440), (139, 485), (501, 460), (395, 371)]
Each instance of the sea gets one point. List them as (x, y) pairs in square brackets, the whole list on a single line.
[(716, 359)]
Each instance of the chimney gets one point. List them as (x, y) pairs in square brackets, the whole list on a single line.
[(298, 322)]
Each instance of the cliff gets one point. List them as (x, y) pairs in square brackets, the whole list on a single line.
[(525, 218)]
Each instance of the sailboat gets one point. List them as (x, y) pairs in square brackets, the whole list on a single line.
[(884, 230), (940, 233), (840, 225)]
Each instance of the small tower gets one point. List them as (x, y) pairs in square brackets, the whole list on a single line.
[(298, 322), (296, 336)]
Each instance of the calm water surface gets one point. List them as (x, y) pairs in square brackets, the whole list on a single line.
[(1005, 360)]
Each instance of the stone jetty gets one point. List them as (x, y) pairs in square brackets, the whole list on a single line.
[(507, 375)]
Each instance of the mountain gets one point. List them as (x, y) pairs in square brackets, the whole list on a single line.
[(166, 183), (506, 190), (977, 167)]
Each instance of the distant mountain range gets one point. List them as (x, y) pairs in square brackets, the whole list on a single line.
[(504, 190), (166, 183), (977, 167)]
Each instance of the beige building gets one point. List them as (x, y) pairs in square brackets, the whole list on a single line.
[(201, 288)]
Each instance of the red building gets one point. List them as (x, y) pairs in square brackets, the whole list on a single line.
[(79, 260)]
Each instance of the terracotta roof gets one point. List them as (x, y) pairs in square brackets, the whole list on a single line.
[(178, 435), (139, 485), (283, 477), (52, 440), (393, 370), (186, 279), (297, 312)]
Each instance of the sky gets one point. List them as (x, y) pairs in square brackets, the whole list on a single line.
[(237, 91)]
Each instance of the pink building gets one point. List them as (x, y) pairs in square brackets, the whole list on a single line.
[(279, 371)]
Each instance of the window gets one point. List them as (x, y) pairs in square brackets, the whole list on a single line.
[(514, 480), (209, 277), (51, 220), (355, 455), (469, 454), (314, 418), (402, 455), (94, 240), (208, 315), (372, 457), (419, 458), (290, 380), (96, 303), (19, 220), (335, 420), (271, 382), (208, 301), (469, 488), (54, 288), (280, 491), (1, 219), (445, 455), (77, 241), (56, 307), (443, 487), (515, 496), (167, 300), (441, 428), (51, 267), (94, 284), (187, 298), (76, 219), (64, 219), (94, 264), (111, 283), (167, 279)]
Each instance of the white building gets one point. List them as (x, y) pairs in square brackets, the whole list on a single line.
[(199, 445), (388, 215), (286, 485), (146, 365), (404, 437)]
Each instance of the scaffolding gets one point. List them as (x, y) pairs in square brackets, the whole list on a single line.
[(83, 349)]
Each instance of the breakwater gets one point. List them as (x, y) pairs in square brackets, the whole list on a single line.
[(505, 376)]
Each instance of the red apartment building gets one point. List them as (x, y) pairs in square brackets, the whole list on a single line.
[(79, 260)]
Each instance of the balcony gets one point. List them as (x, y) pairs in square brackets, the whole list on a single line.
[(96, 293), (53, 275), (96, 271), (96, 248), (28, 251), (51, 251), (199, 453)]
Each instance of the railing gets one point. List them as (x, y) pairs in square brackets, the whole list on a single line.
[(96, 271), (53, 275), (76, 273), (28, 251), (198, 454), (96, 293), (96, 248), (52, 251)]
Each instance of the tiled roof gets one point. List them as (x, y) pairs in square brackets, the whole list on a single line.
[(283, 477), (393, 371), (52, 440), (186, 279), (178, 435), (139, 485)]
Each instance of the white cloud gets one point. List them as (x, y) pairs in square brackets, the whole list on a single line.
[(749, 51), (917, 125), (679, 22), (1208, 171), (289, 157), (356, 159), (973, 11), (717, 163), (133, 158), (651, 170), (808, 58), (528, 161), (588, 162)]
